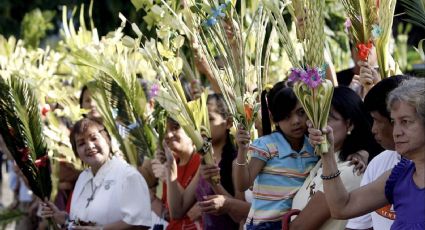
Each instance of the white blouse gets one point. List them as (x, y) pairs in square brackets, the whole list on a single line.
[(314, 183), (117, 192)]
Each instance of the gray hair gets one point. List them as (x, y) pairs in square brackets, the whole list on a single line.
[(411, 91)]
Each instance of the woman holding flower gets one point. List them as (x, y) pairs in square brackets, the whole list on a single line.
[(220, 204), (187, 162), (352, 125), (280, 161), (110, 194), (404, 185)]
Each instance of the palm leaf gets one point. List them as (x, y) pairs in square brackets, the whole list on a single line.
[(21, 128), (9, 216), (416, 11)]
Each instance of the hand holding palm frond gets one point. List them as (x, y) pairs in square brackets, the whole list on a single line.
[(313, 91), (21, 128)]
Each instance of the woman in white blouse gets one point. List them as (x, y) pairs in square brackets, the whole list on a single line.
[(110, 194), (352, 129)]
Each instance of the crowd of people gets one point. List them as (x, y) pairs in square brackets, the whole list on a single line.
[(372, 177)]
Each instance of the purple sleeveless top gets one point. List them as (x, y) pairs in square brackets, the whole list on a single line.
[(210, 222), (407, 198)]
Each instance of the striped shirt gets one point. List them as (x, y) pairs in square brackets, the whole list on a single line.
[(279, 180)]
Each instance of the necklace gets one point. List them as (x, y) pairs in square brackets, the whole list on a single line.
[(93, 191)]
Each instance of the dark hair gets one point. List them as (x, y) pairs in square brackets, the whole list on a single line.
[(81, 126), (349, 104), (229, 151), (83, 91), (375, 99), (220, 103), (279, 101)]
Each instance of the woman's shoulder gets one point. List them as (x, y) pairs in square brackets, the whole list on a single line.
[(398, 172), (123, 168)]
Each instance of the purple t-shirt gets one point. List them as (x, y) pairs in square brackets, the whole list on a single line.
[(408, 199)]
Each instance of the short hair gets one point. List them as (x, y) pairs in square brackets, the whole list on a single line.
[(412, 92), (375, 99), (81, 126)]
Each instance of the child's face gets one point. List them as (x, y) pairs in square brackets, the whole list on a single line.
[(218, 123), (294, 126)]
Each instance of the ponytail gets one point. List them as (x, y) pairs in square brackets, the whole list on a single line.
[(265, 116)]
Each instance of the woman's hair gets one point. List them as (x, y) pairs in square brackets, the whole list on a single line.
[(412, 92), (229, 150), (375, 99), (347, 103), (82, 126), (220, 104), (83, 91), (279, 102)]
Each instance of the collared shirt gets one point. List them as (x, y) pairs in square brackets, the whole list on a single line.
[(281, 177), (117, 192)]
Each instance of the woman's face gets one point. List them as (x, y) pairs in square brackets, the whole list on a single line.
[(294, 126), (90, 104), (340, 128), (176, 139), (92, 147), (218, 123), (408, 130)]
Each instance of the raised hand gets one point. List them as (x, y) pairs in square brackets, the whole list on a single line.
[(243, 137), (209, 171), (171, 164)]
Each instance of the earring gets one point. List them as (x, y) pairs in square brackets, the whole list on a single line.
[(349, 132)]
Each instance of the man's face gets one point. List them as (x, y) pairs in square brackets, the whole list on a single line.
[(382, 130)]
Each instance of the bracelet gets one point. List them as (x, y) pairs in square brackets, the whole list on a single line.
[(330, 177), (239, 164)]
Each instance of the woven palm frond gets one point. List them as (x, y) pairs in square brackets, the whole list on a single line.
[(362, 15), (386, 15), (314, 42), (416, 11), (21, 128), (369, 16)]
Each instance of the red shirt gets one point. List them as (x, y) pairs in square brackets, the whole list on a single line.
[(185, 174)]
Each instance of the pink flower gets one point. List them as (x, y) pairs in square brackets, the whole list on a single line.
[(347, 24)]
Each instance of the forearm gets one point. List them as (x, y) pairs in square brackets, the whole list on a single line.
[(220, 190), (336, 195), (175, 199), (242, 174), (237, 209)]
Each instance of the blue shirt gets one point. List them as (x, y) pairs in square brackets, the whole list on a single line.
[(282, 176)]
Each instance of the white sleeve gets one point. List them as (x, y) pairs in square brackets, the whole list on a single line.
[(135, 200), (365, 221)]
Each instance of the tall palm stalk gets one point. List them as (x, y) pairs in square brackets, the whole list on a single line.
[(21, 128)]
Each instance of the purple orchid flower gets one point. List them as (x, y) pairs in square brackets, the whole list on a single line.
[(153, 92)]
